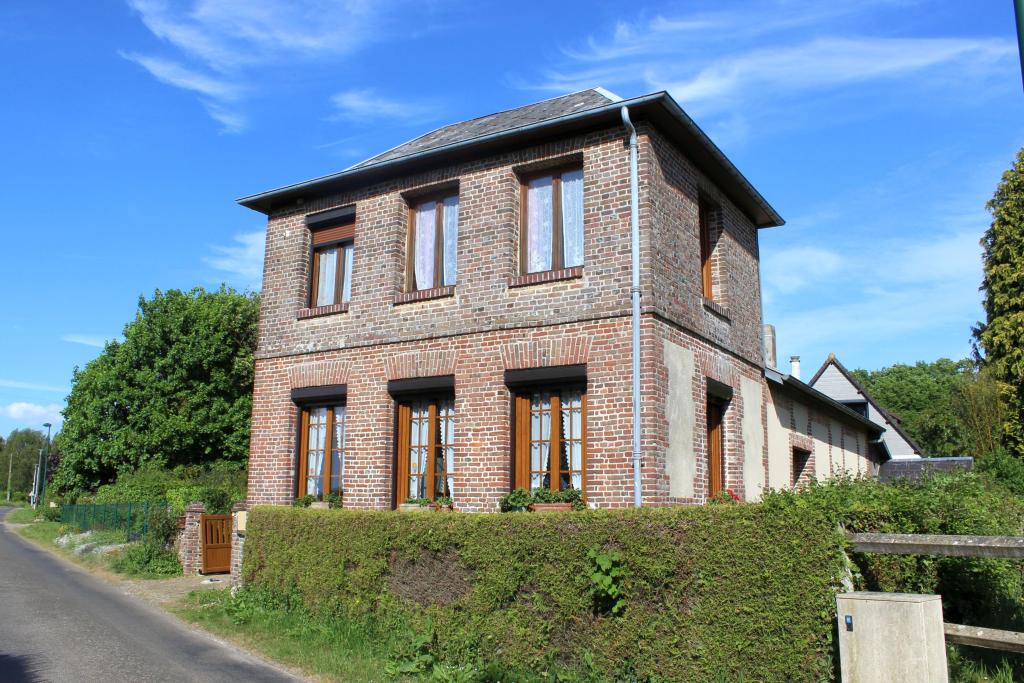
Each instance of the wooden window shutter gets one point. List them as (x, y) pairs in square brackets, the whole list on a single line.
[(402, 465)]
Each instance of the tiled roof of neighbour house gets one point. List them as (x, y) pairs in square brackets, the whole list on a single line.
[(496, 123), (587, 110), (893, 420), (792, 382)]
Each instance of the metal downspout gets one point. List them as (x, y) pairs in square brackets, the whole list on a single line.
[(634, 291)]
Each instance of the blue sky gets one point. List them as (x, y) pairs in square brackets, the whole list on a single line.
[(878, 129)]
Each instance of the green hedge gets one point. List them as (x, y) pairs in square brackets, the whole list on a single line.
[(730, 592)]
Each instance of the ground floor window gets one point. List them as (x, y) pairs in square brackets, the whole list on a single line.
[(426, 448), (716, 443), (800, 458), (322, 450), (550, 438)]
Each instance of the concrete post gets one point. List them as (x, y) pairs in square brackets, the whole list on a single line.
[(239, 515), (891, 638)]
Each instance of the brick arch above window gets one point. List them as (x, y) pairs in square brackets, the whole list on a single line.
[(324, 373), (546, 353), (420, 364)]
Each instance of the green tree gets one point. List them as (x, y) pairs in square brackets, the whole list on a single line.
[(1001, 336), (21, 450), (176, 391), (977, 406), (921, 395)]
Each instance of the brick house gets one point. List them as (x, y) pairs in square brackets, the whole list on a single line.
[(453, 317)]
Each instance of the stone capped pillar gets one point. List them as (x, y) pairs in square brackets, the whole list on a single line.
[(239, 512), (190, 549)]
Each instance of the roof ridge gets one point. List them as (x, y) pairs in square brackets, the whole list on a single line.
[(892, 419)]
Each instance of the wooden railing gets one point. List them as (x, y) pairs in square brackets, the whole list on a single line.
[(990, 547)]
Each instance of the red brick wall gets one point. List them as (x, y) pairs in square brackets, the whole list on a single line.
[(490, 324)]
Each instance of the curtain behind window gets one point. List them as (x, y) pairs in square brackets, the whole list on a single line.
[(538, 221), (328, 267), (572, 218), (451, 239), (346, 285), (423, 264)]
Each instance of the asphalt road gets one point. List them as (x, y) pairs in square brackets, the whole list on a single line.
[(58, 623)]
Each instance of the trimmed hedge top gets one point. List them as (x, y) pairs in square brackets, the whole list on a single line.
[(738, 592)]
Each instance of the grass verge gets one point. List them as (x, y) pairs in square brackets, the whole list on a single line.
[(23, 515), (330, 649)]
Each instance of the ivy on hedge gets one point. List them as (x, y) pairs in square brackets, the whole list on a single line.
[(712, 593)]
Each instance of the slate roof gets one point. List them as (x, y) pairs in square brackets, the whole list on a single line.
[(560, 116), (894, 420), (497, 123)]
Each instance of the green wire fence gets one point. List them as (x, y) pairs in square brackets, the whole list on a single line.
[(131, 518)]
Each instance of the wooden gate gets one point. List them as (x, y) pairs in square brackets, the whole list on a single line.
[(216, 542)]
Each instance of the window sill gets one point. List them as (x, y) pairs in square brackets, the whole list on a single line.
[(424, 294), (717, 308), (318, 311), (546, 276)]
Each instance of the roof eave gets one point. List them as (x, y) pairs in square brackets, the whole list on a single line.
[(836, 407), (723, 172)]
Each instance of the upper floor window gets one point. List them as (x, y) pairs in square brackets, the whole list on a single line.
[(552, 224), (332, 265), (433, 243), (708, 217)]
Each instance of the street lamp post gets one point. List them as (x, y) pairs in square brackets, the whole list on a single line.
[(46, 457)]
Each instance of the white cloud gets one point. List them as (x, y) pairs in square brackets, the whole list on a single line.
[(822, 63), (220, 43), (367, 104), (33, 414), (741, 64), (242, 260), (31, 386), (86, 339)]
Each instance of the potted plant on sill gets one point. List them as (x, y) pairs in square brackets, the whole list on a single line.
[(517, 501), (443, 504), (545, 500), (413, 504)]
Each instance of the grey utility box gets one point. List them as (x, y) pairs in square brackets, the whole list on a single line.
[(891, 637)]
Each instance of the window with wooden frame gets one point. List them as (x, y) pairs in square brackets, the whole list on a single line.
[(432, 242), (321, 450), (551, 234), (800, 459), (705, 218), (331, 271), (426, 448), (715, 445), (551, 438)]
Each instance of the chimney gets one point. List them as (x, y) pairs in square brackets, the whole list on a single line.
[(794, 366), (769, 347)]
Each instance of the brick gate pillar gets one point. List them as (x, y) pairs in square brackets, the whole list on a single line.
[(190, 550)]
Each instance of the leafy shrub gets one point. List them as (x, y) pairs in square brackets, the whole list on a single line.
[(146, 559), (980, 592), (520, 499), (333, 500), (714, 593), (607, 574), (304, 501), (217, 486)]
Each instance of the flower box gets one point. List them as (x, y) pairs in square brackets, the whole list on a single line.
[(550, 507), (442, 508), (413, 507)]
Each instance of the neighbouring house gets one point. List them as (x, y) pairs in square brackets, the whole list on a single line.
[(452, 317), (836, 382)]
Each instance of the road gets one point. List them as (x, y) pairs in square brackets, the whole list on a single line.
[(58, 623)]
